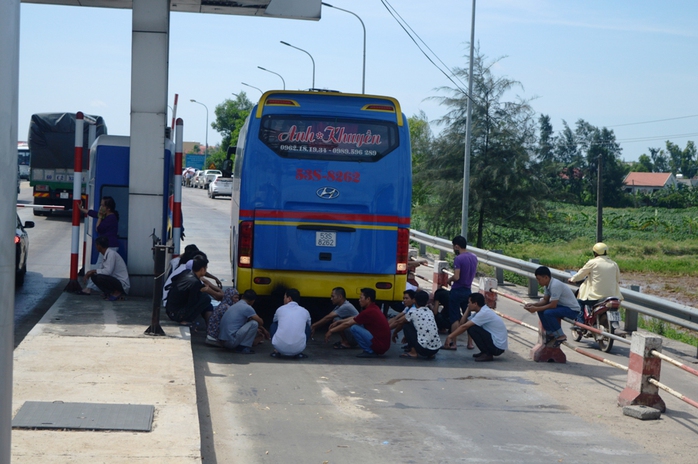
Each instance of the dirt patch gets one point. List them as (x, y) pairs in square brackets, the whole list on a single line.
[(680, 289)]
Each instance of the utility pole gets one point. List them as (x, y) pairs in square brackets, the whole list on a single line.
[(599, 201)]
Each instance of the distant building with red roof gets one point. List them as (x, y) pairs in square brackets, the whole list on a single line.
[(648, 182)]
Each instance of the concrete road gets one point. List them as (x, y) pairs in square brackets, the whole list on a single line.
[(335, 408), (48, 265)]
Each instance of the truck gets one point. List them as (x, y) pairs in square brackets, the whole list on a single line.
[(23, 157), (52, 146)]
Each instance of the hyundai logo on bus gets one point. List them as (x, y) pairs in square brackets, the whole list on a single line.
[(327, 193)]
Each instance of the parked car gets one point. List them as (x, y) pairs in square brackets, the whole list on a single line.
[(220, 187), (209, 175), (22, 246), (197, 179)]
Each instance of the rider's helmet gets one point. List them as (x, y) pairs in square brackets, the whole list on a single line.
[(600, 248)]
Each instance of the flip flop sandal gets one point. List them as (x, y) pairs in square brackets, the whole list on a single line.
[(301, 356), (275, 354), (407, 356), (339, 346), (451, 347)]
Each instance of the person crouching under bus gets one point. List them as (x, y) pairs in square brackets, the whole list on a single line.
[(290, 330), (370, 328)]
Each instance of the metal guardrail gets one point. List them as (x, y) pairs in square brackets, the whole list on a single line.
[(653, 306)]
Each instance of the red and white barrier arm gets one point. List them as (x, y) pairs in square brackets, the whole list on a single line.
[(177, 207), (77, 196), (42, 206)]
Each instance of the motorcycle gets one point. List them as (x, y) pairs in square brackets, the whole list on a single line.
[(603, 315)]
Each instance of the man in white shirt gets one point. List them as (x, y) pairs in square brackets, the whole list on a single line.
[(291, 327), (486, 329), (112, 276)]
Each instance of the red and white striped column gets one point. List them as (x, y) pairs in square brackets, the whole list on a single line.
[(642, 367), (174, 114), (92, 135), (177, 207), (77, 196)]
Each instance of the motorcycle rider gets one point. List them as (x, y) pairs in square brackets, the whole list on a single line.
[(602, 279)]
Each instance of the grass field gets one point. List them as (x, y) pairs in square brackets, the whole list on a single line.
[(644, 240)]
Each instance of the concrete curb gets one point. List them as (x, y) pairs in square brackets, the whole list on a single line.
[(86, 349)]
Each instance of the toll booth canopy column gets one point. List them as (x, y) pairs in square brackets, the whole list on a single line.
[(149, 74)]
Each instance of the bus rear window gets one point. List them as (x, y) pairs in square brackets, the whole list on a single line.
[(328, 138)]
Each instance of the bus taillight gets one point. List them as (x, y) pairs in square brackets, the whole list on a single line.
[(403, 244), (245, 244)]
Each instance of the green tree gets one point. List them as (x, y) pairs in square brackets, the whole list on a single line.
[(683, 161), (602, 147), (421, 140), (644, 164), (546, 140), (660, 161), (230, 117), (566, 179), (501, 175)]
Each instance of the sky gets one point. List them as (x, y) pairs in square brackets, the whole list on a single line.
[(627, 65)]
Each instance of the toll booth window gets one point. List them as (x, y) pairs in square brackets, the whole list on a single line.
[(325, 138)]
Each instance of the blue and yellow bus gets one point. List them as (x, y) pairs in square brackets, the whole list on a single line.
[(322, 190)]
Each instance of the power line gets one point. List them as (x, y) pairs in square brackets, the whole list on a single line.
[(656, 120), (658, 137), (404, 27)]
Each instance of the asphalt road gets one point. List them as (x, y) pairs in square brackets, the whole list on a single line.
[(335, 408), (48, 265)]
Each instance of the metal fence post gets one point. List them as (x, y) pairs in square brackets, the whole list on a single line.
[(532, 282), (422, 249), (498, 272), (442, 255), (630, 315)]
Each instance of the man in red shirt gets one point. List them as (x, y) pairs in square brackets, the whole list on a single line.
[(370, 328)]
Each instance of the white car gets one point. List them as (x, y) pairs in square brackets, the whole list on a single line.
[(207, 177), (220, 187), (196, 181)]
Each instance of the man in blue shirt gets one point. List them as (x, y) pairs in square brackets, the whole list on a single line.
[(558, 301)]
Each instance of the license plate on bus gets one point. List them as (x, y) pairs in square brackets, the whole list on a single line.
[(64, 195), (325, 239), (613, 316)]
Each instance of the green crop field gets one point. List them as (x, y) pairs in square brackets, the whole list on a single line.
[(647, 240)]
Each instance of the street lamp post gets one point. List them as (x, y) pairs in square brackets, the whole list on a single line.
[(468, 129), (304, 51), (248, 85), (363, 78), (206, 149), (267, 70)]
